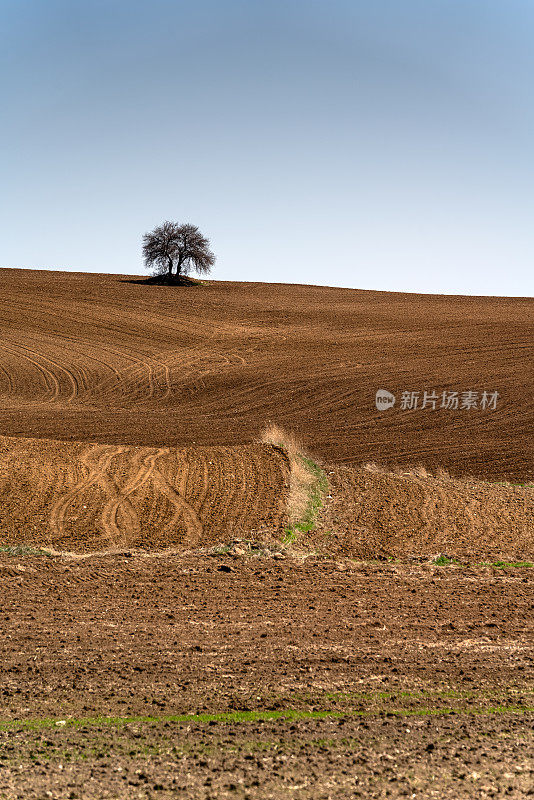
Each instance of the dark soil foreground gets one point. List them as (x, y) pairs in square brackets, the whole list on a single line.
[(202, 676)]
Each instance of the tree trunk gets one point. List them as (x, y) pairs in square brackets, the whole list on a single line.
[(170, 265)]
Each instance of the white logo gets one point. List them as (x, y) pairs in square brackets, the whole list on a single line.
[(384, 399), (432, 400)]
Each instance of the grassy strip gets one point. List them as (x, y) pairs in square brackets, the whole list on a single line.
[(444, 561), (421, 694), (528, 485), (254, 716), (306, 524), (318, 488)]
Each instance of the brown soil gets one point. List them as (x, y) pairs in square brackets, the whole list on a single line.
[(101, 359), (371, 513), (70, 496), (82, 498), (128, 412), (424, 674)]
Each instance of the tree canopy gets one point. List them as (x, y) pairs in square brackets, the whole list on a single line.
[(172, 249)]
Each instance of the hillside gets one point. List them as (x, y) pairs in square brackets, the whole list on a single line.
[(108, 359)]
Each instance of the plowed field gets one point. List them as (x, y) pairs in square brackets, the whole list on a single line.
[(129, 421), (215, 677), (376, 514), (79, 497), (99, 358)]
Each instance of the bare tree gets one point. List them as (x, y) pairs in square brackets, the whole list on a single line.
[(193, 251), (174, 249), (159, 247)]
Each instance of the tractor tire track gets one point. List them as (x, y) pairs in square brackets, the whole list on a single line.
[(54, 373), (50, 380), (97, 474), (194, 525)]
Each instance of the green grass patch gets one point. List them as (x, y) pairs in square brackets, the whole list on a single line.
[(423, 695), (528, 485), (317, 490), (22, 550), (234, 717), (220, 550), (290, 536), (444, 561)]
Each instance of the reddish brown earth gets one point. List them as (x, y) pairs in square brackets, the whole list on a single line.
[(424, 676), (101, 359), (372, 513), (79, 497), (84, 498), (129, 419)]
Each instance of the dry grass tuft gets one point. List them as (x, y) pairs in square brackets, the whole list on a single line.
[(274, 434), (300, 485), (301, 479)]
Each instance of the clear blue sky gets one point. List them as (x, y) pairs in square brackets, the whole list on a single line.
[(384, 144)]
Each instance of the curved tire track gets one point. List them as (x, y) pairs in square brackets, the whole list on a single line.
[(98, 474)]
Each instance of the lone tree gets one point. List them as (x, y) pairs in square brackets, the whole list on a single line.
[(172, 250)]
